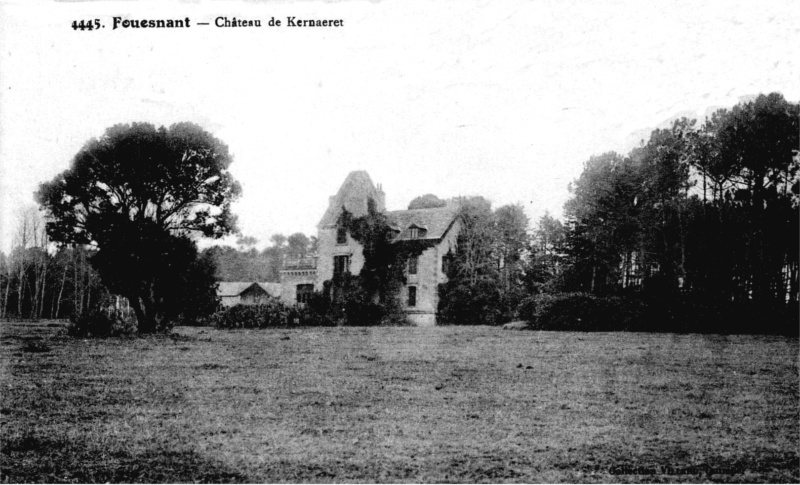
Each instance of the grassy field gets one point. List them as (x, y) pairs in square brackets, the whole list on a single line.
[(443, 404)]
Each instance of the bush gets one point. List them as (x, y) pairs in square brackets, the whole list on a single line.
[(101, 322), (581, 312), (347, 301), (272, 314), (657, 312), (470, 304)]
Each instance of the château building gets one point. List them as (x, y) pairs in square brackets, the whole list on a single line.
[(338, 252)]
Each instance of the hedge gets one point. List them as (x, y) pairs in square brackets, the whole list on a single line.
[(272, 314), (654, 313)]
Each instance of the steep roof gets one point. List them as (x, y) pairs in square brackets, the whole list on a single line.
[(352, 195), (232, 288), (434, 222), (273, 289), (236, 288), (358, 188)]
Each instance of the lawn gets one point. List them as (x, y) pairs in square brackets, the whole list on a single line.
[(445, 404)]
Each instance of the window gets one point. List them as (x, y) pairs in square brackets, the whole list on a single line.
[(412, 265), (414, 233), (341, 265), (304, 292), (412, 296), (341, 235), (446, 259)]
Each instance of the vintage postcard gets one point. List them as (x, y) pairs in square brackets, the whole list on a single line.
[(399, 241)]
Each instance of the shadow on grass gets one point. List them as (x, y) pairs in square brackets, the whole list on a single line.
[(30, 458), (672, 463)]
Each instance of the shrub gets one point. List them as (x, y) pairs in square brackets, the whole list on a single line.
[(581, 312), (101, 322), (347, 300), (654, 312), (271, 314), (478, 303)]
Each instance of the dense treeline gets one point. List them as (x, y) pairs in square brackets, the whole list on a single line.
[(694, 230), (40, 280), (37, 281), (246, 263), (700, 222)]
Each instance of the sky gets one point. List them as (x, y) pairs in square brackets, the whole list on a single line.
[(501, 99)]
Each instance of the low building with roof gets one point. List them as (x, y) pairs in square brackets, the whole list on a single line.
[(233, 293), (338, 252)]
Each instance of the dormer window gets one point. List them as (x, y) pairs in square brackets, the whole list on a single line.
[(415, 232)]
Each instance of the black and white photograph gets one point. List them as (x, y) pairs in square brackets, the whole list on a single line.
[(351, 241)]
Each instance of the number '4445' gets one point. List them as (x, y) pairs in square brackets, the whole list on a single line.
[(86, 24)]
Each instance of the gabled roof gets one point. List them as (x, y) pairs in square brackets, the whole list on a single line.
[(434, 222), (236, 288), (352, 195), (232, 288), (273, 289)]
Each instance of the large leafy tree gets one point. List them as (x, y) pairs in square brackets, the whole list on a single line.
[(138, 193), (547, 248), (475, 292), (603, 219), (427, 201), (753, 151)]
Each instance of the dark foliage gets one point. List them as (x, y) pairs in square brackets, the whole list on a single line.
[(136, 193), (182, 285), (195, 292), (101, 322), (470, 304), (683, 313), (267, 315), (484, 271), (581, 312), (344, 301), (702, 224), (427, 201)]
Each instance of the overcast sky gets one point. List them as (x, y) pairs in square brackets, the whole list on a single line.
[(501, 99)]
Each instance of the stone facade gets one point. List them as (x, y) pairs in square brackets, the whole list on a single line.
[(429, 275), (337, 250)]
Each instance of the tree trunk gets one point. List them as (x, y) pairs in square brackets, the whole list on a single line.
[(20, 289), (5, 297), (44, 287), (61, 291), (144, 308), (76, 283), (141, 319), (3, 307)]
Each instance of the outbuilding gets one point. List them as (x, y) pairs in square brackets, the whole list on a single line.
[(246, 292)]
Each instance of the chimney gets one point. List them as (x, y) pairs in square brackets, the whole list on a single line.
[(381, 199)]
